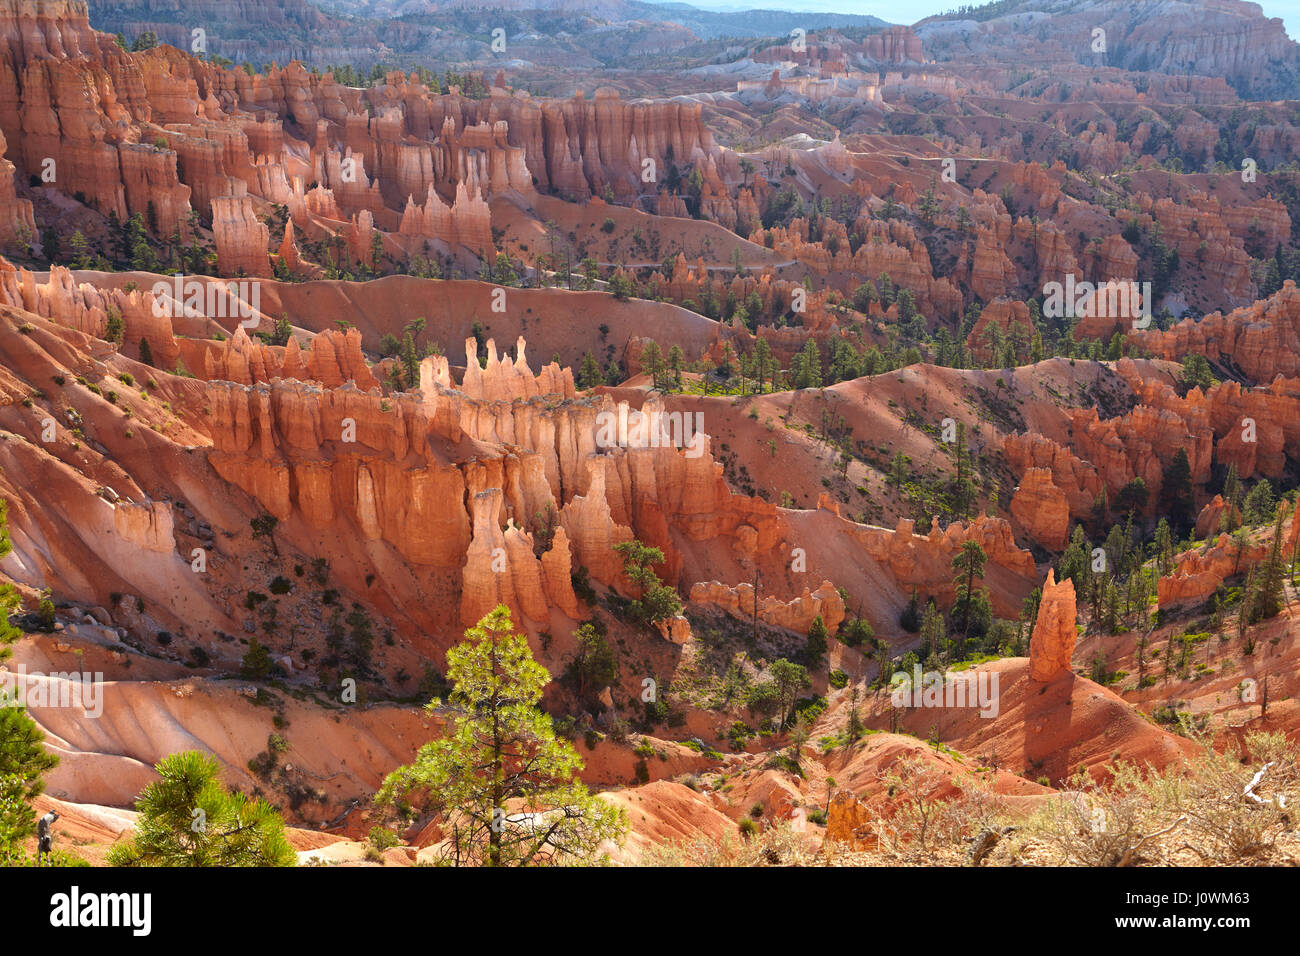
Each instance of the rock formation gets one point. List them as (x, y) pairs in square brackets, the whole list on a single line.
[(1198, 573), (1263, 339), (241, 239), (1052, 643), (794, 615), (1041, 509), (16, 220)]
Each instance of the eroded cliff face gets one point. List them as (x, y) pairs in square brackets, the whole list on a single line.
[(895, 44), (161, 134), (1042, 509), (1228, 424), (17, 222), (1199, 572), (796, 615), (552, 484), (1262, 339)]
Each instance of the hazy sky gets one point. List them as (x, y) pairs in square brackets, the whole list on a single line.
[(909, 11)]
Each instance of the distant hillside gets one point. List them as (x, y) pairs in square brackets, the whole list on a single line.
[(706, 24), (445, 34), (1228, 38), (749, 23)]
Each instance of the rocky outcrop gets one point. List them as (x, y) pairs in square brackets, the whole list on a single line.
[(894, 44), (890, 247), (1198, 573), (1214, 518), (849, 822), (147, 526), (991, 273), (1262, 340), (795, 615), (17, 224), (240, 236), (1002, 320), (504, 380), (1052, 643), (1041, 509), (500, 568), (1071, 475), (334, 357), (923, 563), (580, 146), (466, 221), (588, 522)]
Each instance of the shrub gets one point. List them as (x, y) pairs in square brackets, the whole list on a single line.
[(856, 632), (382, 838), (256, 664)]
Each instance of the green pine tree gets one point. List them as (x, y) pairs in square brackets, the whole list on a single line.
[(10, 598), (188, 818), (818, 636), (1271, 593), (506, 788), (23, 763)]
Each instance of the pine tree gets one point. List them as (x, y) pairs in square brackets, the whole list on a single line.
[(10, 597), (81, 257), (658, 601), (283, 331), (1245, 610), (963, 488), (589, 374), (809, 371), (934, 636), (50, 244), (595, 663), (652, 362), (1164, 546), (22, 756), (790, 678), (187, 818), (1232, 488), (1271, 593), (1176, 490), (815, 649), (969, 565), (506, 787), (17, 819), (256, 664), (1260, 503), (762, 362), (676, 362)]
